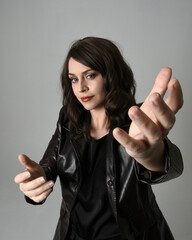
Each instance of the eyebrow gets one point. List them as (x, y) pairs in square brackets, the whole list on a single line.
[(88, 70)]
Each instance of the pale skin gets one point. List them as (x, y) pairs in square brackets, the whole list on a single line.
[(144, 141)]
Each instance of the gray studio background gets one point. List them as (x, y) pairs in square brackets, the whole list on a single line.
[(34, 38)]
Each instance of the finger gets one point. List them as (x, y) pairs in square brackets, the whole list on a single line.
[(42, 196), (161, 81), (164, 115), (160, 86), (22, 177), (131, 145), (33, 184), (26, 161), (150, 130), (39, 190), (175, 95)]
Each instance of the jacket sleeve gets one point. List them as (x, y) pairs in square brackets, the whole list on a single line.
[(173, 166), (49, 160)]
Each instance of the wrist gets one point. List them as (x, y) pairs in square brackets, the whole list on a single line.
[(156, 161)]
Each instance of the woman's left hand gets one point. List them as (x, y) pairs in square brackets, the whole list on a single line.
[(152, 122)]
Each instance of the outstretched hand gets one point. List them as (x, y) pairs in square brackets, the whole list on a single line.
[(152, 122), (33, 181)]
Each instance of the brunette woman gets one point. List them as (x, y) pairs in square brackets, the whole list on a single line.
[(107, 150)]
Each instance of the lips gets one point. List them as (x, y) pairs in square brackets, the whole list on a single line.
[(86, 99)]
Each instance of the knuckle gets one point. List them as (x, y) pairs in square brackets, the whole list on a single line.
[(41, 197), (157, 135), (37, 192), (21, 187), (135, 148), (28, 194), (16, 179), (146, 125), (36, 199), (164, 111), (157, 138), (44, 195), (173, 119), (181, 103), (171, 122), (127, 144)]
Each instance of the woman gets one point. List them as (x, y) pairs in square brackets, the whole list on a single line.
[(105, 158)]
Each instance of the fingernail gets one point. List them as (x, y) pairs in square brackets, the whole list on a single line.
[(42, 180), (135, 113), (51, 184), (117, 132), (27, 174)]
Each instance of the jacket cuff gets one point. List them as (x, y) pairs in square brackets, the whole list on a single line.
[(153, 177), (30, 201)]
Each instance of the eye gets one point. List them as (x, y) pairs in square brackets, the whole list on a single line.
[(73, 80), (91, 76)]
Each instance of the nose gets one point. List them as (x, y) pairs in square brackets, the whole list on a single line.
[(82, 86)]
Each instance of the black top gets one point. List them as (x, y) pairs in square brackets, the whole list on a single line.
[(92, 217)]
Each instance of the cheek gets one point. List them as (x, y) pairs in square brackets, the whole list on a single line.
[(102, 91), (74, 90), (99, 87)]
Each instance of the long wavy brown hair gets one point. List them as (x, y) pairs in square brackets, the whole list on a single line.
[(101, 55)]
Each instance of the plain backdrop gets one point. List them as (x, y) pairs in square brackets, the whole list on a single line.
[(34, 39)]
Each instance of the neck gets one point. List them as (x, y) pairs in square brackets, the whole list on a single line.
[(99, 124)]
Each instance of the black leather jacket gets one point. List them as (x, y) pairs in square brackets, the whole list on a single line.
[(128, 183)]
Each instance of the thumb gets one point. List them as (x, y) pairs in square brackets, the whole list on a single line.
[(27, 162)]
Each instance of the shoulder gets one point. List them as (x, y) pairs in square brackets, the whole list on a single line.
[(63, 119)]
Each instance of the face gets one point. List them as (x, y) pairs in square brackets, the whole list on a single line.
[(87, 85)]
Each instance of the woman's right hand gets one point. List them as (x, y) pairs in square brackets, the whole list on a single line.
[(33, 181)]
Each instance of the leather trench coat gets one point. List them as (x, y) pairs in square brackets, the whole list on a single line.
[(128, 183)]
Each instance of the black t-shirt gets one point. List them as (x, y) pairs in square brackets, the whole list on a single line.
[(92, 217)]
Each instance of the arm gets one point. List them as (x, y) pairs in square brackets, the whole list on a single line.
[(37, 180), (151, 123), (172, 169)]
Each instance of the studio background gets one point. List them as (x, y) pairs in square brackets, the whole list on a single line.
[(34, 39)]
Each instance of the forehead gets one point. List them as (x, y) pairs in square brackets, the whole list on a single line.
[(76, 67)]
